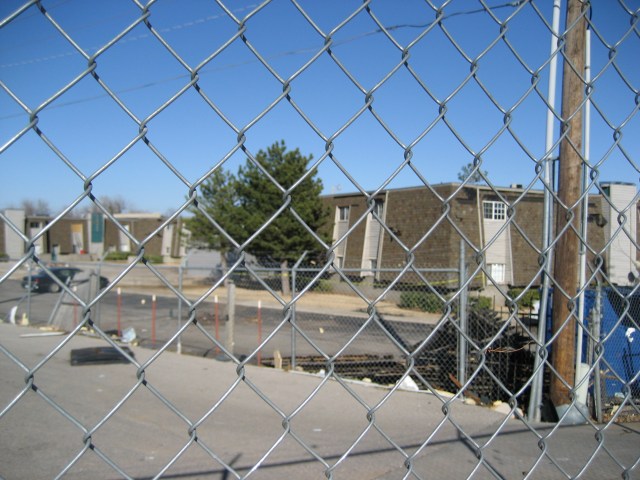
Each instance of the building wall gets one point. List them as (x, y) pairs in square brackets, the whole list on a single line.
[(373, 239), (111, 236), (357, 216), (139, 227), (428, 224), (34, 225), (412, 214), (12, 244), (619, 203), (61, 234), (143, 228), (524, 233)]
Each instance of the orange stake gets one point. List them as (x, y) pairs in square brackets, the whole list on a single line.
[(119, 309), (259, 356), (216, 315), (153, 320)]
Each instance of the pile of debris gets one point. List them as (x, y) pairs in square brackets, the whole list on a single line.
[(499, 358)]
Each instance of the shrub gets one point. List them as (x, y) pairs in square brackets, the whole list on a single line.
[(481, 303), (322, 286), (121, 256), (116, 256), (154, 258), (527, 299), (4, 257), (425, 301)]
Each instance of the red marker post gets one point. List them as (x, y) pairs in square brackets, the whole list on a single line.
[(216, 316), (153, 321), (119, 310), (259, 356)]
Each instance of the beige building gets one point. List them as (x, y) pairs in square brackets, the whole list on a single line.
[(502, 229), (92, 235)]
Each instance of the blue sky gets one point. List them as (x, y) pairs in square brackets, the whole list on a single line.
[(90, 129)]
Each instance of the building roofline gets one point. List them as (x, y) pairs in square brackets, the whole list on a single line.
[(512, 188), (627, 184), (137, 216)]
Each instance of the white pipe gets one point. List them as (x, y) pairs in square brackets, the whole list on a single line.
[(535, 398), (585, 208)]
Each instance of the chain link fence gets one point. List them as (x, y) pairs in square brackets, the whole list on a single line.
[(510, 313)]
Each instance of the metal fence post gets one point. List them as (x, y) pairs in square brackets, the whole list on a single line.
[(293, 318), (294, 270), (595, 325), (99, 274), (29, 292), (462, 317), (535, 396), (179, 344), (231, 312)]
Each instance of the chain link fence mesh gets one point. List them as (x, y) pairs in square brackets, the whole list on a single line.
[(428, 316)]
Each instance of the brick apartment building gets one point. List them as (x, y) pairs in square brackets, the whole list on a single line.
[(91, 235), (424, 222), (428, 223)]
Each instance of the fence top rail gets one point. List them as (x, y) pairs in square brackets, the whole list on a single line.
[(348, 270), (88, 264)]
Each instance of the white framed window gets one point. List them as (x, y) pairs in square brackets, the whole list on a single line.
[(377, 208), (494, 210), (498, 272), (343, 214), (340, 227)]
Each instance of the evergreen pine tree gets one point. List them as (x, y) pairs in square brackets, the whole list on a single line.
[(284, 237), (252, 202), (217, 201)]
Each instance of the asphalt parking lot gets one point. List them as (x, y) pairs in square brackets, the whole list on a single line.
[(155, 325)]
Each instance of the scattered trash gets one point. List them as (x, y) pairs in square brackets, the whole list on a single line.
[(42, 334), (467, 393), (504, 408), (99, 355), (12, 314), (128, 335), (277, 359), (445, 394), (409, 384)]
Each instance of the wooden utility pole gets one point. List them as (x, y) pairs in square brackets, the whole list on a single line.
[(568, 213)]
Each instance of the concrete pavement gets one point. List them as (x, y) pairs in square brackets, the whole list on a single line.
[(305, 427)]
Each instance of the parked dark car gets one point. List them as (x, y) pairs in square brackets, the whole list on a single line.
[(41, 282)]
